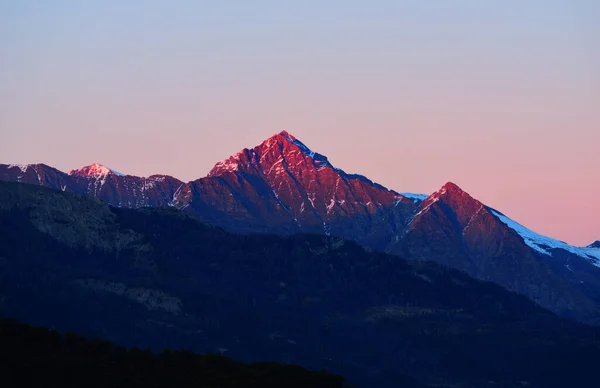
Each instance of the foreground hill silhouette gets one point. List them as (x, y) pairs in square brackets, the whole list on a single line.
[(158, 278), (39, 357)]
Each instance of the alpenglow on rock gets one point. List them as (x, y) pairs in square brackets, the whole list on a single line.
[(282, 186)]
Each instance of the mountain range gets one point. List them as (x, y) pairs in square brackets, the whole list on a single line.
[(159, 278), (282, 187)]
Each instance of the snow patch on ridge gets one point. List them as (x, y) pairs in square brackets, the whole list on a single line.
[(434, 200), (545, 245), (594, 253), (231, 164), (22, 167), (416, 198), (332, 203), (318, 159), (305, 150), (472, 218), (95, 170)]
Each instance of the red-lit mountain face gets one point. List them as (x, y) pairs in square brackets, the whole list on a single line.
[(456, 230), (305, 192), (281, 186), (98, 181)]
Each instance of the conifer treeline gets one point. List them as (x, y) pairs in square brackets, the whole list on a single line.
[(37, 357)]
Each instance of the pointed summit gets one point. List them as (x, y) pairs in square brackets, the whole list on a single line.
[(452, 197), (450, 187), (595, 244), (94, 169), (287, 135), (456, 197), (284, 137), (282, 148), (449, 192)]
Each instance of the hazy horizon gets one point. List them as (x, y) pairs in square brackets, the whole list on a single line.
[(502, 99)]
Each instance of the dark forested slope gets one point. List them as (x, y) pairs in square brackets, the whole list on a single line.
[(157, 278), (39, 357)]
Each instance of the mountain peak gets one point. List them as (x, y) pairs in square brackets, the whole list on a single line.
[(455, 197), (319, 160), (22, 167), (450, 187), (287, 135), (282, 137), (448, 190), (595, 244), (94, 169), (281, 146)]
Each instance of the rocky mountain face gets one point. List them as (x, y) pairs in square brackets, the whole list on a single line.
[(157, 277), (458, 231), (299, 190), (281, 186), (100, 182)]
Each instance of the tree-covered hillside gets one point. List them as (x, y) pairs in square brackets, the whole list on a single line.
[(39, 357), (157, 278)]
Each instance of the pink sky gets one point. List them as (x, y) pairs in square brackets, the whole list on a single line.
[(502, 99)]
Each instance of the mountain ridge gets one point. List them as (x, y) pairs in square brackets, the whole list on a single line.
[(282, 186), (157, 277)]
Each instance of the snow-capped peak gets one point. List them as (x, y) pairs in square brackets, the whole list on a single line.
[(595, 244), (416, 198), (230, 164), (545, 245), (22, 167), (95, 170)]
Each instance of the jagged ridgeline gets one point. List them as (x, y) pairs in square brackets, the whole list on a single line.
[(283, 187), (157, 278)]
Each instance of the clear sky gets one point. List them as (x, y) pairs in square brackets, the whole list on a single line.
[(500, 97)]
